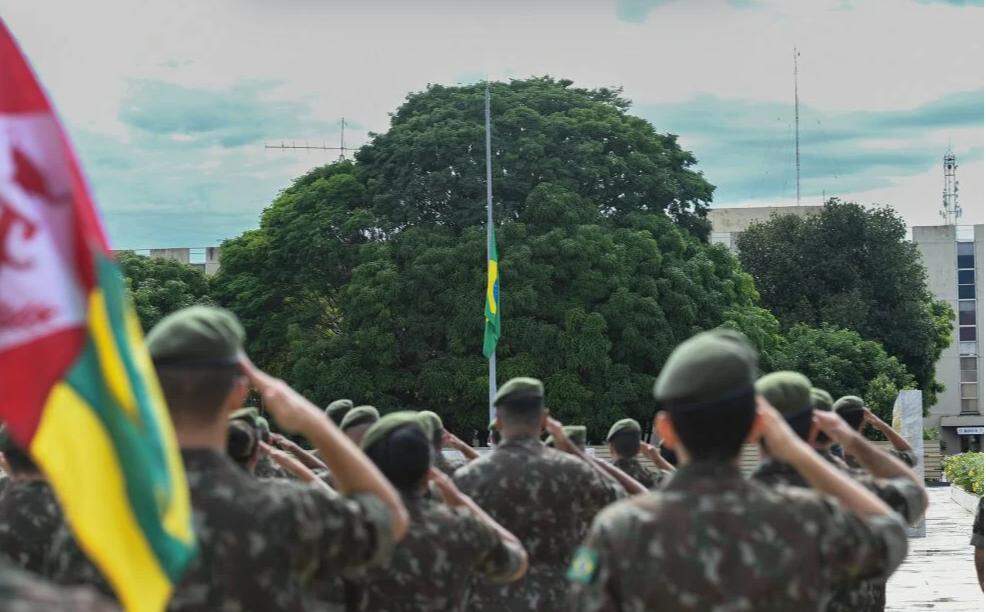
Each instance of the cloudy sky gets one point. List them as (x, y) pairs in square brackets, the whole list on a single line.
[(170, 102)]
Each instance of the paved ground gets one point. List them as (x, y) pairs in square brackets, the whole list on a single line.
[(938, 573)]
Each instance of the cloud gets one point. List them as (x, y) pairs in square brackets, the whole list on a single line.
[(636, 11), (746, 148), (954, 2)]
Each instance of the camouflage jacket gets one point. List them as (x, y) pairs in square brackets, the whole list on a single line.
[(22, 591), (637, 471), (260, 542), (713, 540), (546, 498), (977, 527), (446, 465), (909, 458), (901, 494), (29, 518), (432, 567)]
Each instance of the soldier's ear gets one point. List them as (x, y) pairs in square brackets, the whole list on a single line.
[(755, 429), (665, 429)]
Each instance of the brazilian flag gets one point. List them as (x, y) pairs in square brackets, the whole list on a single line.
[(492, 332)]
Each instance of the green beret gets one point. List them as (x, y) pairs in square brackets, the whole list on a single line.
[(623, 425), (789, 392), (249, 414), (575, 433), (198, 335), (708, 367), (848, 403), (821, 400), (431, 423), (388, 423), (519, 388), (360, 415), (338, 409)]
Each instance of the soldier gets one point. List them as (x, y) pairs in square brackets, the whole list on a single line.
[(435, 428), (357, 421), (977, 541), (545, 497), (21, 591), (259, 542), (576, 433), (892, 481), (448, 543), (624, 445), (338, 409), (494, 434), (29, 512), (711, 539), (854, 411), (243, 445)]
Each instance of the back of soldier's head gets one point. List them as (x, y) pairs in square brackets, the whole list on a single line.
[(337, 410), (624, 437), (18, 459), (706, 387), (241, 442), (790, 393), (399, 446), (520, 403), (196, 354), (850, 408)]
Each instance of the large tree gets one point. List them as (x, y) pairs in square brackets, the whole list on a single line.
[(851, 267), (367, 279), (161, 286)]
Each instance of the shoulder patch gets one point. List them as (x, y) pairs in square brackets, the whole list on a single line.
[(584, 565)]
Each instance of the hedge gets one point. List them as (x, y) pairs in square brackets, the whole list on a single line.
[(965, 471)]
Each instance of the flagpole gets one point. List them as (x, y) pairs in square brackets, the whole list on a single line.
[(489, 234)]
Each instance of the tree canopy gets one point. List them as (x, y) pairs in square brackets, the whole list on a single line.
[(851, 267), (160, 286), (367, 279)]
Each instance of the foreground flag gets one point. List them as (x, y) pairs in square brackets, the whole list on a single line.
[(492, 332), (77, 387)]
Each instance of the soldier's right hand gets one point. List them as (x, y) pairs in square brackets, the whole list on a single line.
[(446, 488), (292, 412), (780, 439)]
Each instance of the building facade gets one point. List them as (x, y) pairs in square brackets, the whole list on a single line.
[(205, 259), (729, 223), (953, 257)]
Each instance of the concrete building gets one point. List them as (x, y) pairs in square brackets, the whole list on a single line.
[(205, 259), (953, 256), (729, 223)]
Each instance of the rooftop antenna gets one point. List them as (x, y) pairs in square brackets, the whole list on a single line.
[(951, 211), (342, 148), (797, 131)]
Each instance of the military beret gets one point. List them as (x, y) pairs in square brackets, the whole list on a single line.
[(431, 423), (623, 425), (788, 392), (820, 399), (519, 388), (708, 367), (848, 403), (338, 409), (360, 415), (249, 414), (198, 335), (388, 423), (575, 433)]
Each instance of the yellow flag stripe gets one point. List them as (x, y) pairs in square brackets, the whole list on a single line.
[(491, 276), (95, 499), (114, 372)]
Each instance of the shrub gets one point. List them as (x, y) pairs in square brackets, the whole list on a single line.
[(966, 471)]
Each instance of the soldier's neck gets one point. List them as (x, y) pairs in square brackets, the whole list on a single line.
[(199, 436)]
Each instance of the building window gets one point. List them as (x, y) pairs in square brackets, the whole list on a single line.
[(967, 348), (966, 264), (967, 333), (967, 255), (967, 312)]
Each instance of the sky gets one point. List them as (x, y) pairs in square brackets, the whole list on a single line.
[(170, 103)]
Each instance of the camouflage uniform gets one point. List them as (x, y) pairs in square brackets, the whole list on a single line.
[(446, 465), (977, 527), (909, 458), (432, 567), (637, 471), (901, 494), (29, 518), (21, 591), (714, 540), (260, 543), (547, 499)]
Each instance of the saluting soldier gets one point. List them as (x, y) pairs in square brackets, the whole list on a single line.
[(713, 540), (855, 412), (337, 410), (625, 446), (440, 437), (357, 421), (447, 544), (29, 512), (546, 497)]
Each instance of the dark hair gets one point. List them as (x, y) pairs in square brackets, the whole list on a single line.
[(714, 430), (800, 422), (669, 455), (522, 411), (241, 443), (403, 455), (626, 443), (853, 416), (19, 460), (197, 392)]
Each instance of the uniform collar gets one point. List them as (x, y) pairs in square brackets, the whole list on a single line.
[(529, 442), (205, 459), (698, 471)]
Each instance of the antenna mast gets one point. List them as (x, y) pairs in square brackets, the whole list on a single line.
[(951, 211), (342, 148), (797, 132)]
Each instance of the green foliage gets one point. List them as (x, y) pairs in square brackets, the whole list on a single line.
[(852, 268), (965, 471), (161, 286), (367, 280), (842, 363)]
